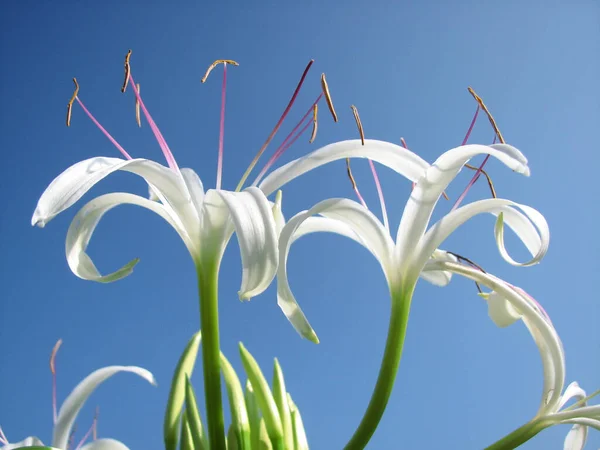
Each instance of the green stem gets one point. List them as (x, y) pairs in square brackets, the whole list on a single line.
[(387, 371), (208, 281), (519, 436)]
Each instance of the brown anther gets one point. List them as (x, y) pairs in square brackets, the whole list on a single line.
[(487, 112), (70, 104), (315, 124), (215, 64), (53, 356), (327, 94), (349, 171), (358, 124), (137, 108), (127, 71), (403, 143), (489, 179)]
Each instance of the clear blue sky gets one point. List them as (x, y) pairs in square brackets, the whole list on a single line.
[(463, 383)]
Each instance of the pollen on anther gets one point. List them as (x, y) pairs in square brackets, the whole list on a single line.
[(53, 356), (215, 64), (70, 104), (328, 99), (127, 71), (358, 124), (315, 124)]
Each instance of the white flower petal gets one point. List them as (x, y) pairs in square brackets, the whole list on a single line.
[(74, 182), (27, 442), (438, 277), (105, 444), (84, 223), (254, 224), (391, 155), (572, 391), (522, 225), (278, 213), (501, 311), (195, 188), (429, 188), (576, 437), (76, 399), (594, 423), (341, 216)]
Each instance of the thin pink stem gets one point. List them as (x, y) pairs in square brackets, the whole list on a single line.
[(157, 134), (87, 435), (360, 197), (54, 409), (284, 145), (106, 133), (221, 128), (380, 194), (464, 142), (3, 439)]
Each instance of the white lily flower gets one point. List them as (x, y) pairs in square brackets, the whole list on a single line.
[(416, 244), (506, 305), (64, 421)]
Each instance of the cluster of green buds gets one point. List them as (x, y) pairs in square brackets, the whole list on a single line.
[(262, 416)]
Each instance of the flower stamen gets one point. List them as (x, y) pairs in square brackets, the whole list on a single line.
[(328, 99), (138, 119), (354, 186), (487, 112), (215, 64), (127, 71), (53, 371), (276, 128), (472, 264), (70, 104), (92, 430), (72, 436), (486, 175), (313, 135)]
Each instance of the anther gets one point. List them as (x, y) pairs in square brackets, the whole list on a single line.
[(489, 179), (53, 356), (127, 71), (137, 108), (325, 88), (315, 124), (358, 124), (487, 112), (70, 104), (215, 64), (349, 171)]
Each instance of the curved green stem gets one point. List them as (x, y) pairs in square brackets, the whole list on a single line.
[(519, 436), (387, 371), (208, 281)]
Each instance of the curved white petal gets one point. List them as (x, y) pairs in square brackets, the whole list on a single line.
[(531, 228), (585, 421), (27, 442), (195, 188), (278, 213), (252, 218), (541, 329), (576, 437), (74, 182), (429, 188), (74, 402), (340, 216), (573, 390), (84, 223), (589, 412), (437, 277), (395, 157), (105, 444), (501, 311)]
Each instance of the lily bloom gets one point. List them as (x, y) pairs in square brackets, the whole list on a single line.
[(65, 419), (506, 305)]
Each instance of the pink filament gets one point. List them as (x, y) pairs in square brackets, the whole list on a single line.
[(157, 134), (360, 197), (285, 145), (380, 194), (221, 128), (91, 430), (3, 439), (106, 133)]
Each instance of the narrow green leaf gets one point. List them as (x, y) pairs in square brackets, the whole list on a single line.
[(264, 443), (187, 443), (239, 415), (300, 441), (280, 395), (184, 368), (232, 440), (253, 415), (193, 417), (264, 397)]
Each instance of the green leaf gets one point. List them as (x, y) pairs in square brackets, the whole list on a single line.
[(280, 395), (187, 443), (253, 415), (184, 368), (300, 441), (193, 417), (239, 416), (264, 443), (232, 440), (264, 397)]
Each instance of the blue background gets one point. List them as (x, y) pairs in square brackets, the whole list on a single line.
[(463, 383)]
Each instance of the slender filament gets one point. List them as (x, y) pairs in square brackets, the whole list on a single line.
[(53, 371), (138, 119)]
